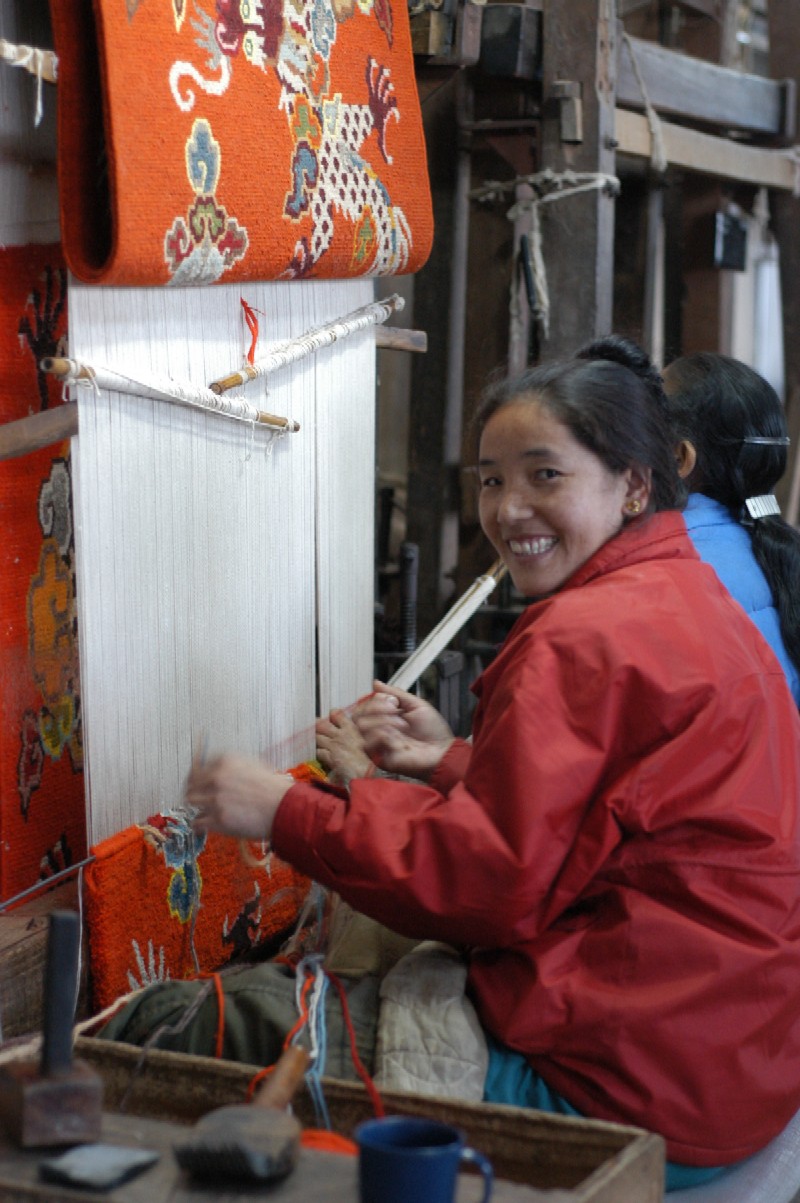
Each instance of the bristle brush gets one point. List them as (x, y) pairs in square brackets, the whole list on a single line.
[(252, 1142)]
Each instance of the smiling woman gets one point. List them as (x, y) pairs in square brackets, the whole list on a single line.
[(613, 853)]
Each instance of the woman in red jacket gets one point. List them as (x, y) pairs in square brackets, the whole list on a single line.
[(618, 850)]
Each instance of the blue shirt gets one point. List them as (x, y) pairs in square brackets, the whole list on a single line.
[(725, 544)]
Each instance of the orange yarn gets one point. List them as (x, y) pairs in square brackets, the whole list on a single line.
[(323, 1141), (371, 1088), (220, 1036)]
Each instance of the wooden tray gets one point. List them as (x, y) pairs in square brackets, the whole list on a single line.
[(550, 1158)]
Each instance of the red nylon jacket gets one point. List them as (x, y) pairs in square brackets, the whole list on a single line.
[(619, 851)]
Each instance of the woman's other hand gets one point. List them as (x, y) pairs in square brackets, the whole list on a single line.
[(235, 795), (340, 749), (402, 733)]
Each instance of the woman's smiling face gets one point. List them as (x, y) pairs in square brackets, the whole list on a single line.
[(547, 503)]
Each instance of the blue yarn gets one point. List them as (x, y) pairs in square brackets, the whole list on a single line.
[(312, 965)]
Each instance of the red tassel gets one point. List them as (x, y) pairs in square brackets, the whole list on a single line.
[(252, 325)]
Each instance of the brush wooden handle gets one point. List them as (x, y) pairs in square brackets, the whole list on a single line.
[(280, 1087)]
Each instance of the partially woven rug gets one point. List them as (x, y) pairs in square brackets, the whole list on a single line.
[(239, 140), (162, 903), (42, 808)]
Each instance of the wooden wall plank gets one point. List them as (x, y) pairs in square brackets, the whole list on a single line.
[(706, 153), (705, 92)]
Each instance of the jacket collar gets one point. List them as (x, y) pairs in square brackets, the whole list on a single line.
[(659, 536)]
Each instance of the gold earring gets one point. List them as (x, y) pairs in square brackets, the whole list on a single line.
[(633, 506)]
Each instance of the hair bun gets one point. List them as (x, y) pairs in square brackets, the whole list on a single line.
[(619, 350), (616, 349)]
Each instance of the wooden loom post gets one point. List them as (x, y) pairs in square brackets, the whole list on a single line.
[(579, 53)]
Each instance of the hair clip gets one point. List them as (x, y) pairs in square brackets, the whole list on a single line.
[(766, 441), (763, 506)]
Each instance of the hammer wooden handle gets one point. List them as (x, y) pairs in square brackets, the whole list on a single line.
[(280, 1086), (60, 990)]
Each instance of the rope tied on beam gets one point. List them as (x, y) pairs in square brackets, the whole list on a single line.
[(658, 151), (546, 186), (43, 64)]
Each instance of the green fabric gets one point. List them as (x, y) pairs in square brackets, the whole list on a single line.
[(259, 1011)]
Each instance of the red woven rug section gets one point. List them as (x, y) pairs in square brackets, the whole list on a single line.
[(161, 903), (42, 808), (267, 139)]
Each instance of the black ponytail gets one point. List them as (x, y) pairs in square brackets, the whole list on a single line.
[(720, 405)]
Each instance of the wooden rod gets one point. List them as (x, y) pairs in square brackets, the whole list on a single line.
[(165, 390), (293, 349), (445, 631), (39, 430), (399, 339)]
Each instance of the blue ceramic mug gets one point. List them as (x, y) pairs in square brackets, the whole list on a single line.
[(402, 1159)]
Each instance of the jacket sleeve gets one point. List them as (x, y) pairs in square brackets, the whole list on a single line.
[(494, 859)]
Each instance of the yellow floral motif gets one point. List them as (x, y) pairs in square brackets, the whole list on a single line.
[(57, 726), (51, 617)]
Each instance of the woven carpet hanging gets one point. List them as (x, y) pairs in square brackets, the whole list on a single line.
[(163, 903), (42, 814), (239, 140)]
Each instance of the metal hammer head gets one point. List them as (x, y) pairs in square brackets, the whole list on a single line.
[(56, 1102), (63, 1109)]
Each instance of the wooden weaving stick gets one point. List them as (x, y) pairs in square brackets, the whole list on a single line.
[(457, 616), (165, 390), (293, 349)]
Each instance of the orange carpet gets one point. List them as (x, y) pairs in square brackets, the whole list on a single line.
[(162, 903), (42, 811), (224, 140)]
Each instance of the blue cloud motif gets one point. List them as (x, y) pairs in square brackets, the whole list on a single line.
[(202, 159)]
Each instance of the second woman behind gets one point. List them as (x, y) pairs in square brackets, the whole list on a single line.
[(730, 431)]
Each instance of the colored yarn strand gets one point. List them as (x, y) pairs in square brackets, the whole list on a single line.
[(371, 1088), (219, 1040), (311, 1002)]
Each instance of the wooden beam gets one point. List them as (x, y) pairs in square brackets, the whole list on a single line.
[(397, 338), (706, 153), (39, 430), (701, 91)]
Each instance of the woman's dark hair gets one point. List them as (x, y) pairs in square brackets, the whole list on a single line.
[(610, 398), (717, 404)]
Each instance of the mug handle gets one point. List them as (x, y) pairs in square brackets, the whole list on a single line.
[(473, 1157)]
